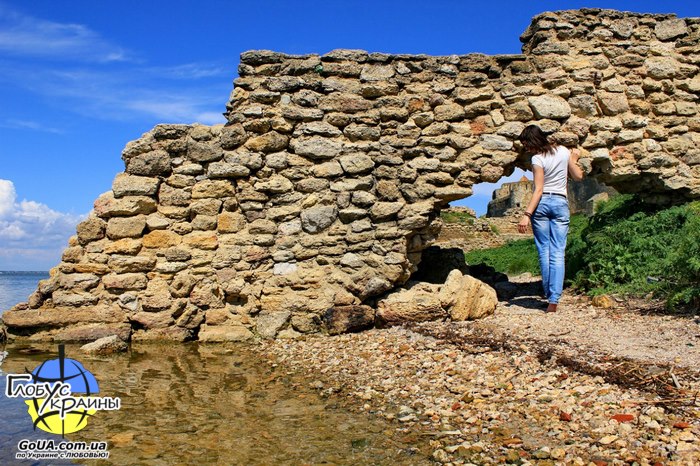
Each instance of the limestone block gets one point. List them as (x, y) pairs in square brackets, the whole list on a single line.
[(212, 189), (518, 111), (344, 102), (92, 229), (230, 222), (201, 240), (377, 72), (72, 254), (62, 316), (170, 334), (383, 211), (316, 147), (670, 29), (327, 170), (419, 303), (550, 106), (661, 67), (356, 164), (78, 281), (125, 227), (204, 222), (583, 106), (475, 299), (126, 246), (126, 281), (612, 103), (130, 185), (153, 163), (312, 185), (317, 219), (182, 285), (321, 128), (160, 239), (203, 151), (269, 323), (276, 184), (221, 333), (107, 206), (268, 142), (105, 345), (227, 170), (232, 136), (191, 318), (495, 142), (63, 298), (448, 112), (151, 320), (355, 132), (124, 264)]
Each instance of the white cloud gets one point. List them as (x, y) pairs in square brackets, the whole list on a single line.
[(31, 230), (80, 70), (191, 71), (27, 36), (13, 123), (7, 197)]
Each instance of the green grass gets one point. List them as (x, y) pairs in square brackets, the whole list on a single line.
[(520, 256), (513, 258)]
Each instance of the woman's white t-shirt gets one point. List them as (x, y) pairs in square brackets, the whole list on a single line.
[(556, 169)]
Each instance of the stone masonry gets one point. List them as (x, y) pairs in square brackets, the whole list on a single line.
[(317, 197)]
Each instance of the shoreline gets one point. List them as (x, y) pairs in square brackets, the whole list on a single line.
[(485, 406)]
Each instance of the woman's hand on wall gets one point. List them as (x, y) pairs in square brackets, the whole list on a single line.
[(574, 168)]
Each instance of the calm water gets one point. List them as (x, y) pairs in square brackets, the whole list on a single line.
[(16, 287), (202, 404), (208, 404)]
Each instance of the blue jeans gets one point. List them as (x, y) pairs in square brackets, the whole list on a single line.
[(550, 225)]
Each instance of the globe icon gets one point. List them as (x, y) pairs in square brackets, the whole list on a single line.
[(67, 371)]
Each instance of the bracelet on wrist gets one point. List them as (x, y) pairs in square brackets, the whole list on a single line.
[(527, 214)]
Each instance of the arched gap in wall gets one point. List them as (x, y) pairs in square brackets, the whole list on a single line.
[(483, 193), (437, 260)]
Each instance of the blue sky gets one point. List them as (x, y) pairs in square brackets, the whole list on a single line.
[(79, 79)]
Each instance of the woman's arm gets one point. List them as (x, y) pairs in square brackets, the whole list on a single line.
[(538, 173), (575, 171)]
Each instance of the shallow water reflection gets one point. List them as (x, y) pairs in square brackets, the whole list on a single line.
[(198, 404)]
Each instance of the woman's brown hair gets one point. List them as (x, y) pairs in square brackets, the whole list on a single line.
[(534, 140)]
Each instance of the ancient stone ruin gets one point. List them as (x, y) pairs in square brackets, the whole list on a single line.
[(512, 198), (313, 203)]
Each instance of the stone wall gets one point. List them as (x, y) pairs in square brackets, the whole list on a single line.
[(319, 194)]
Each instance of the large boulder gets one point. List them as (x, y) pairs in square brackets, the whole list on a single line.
[(420, 302), (474, 299)]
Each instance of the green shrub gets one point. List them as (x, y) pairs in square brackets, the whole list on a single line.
[(634, 248), (456, 217), (627, 247), (683, 264)]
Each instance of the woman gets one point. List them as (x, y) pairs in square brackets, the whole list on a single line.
[(548, 211)]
